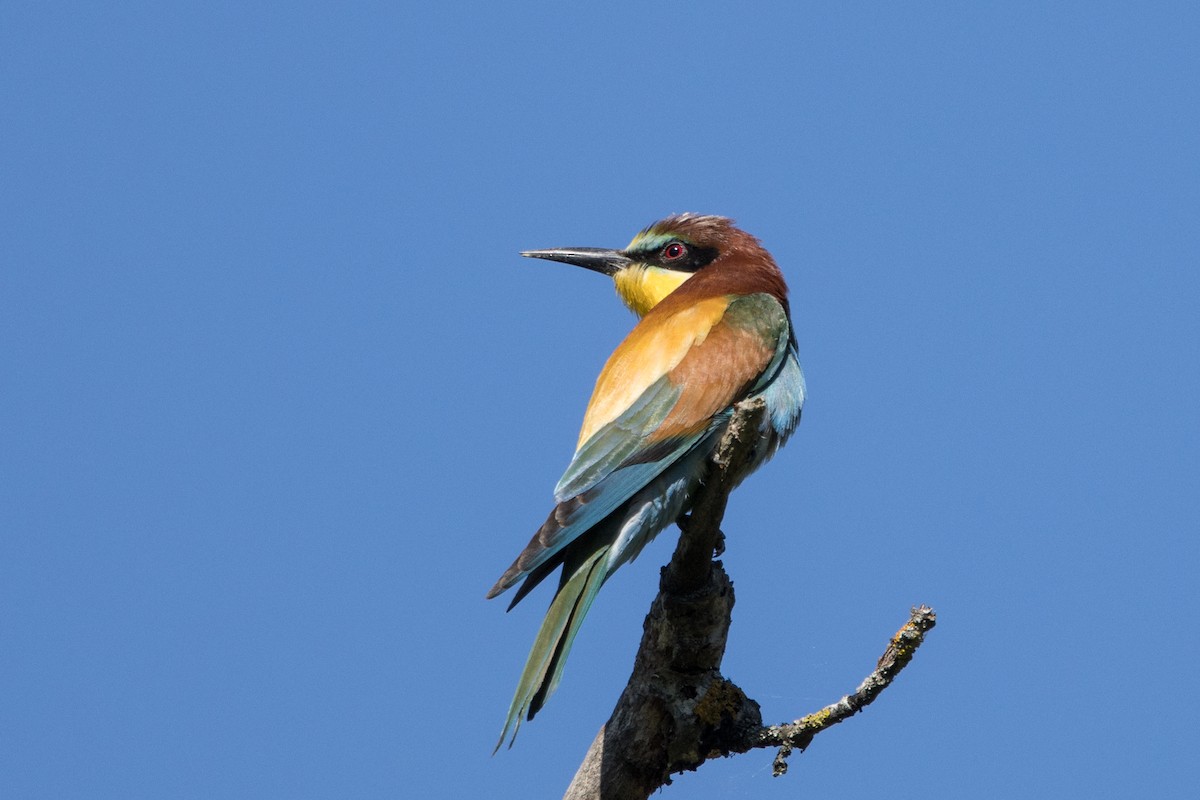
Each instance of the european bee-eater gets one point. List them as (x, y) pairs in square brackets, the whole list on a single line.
[(714, 330)]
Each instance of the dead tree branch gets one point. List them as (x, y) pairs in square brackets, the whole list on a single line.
[(678, 710)]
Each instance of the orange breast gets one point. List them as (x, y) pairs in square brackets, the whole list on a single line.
[(652, 349)]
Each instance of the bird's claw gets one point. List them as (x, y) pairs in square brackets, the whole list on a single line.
[(685, 523)]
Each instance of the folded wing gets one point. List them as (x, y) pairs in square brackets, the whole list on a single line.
[(673, 379)]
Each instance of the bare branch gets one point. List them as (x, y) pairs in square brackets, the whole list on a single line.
[(799, 734), (692, 561), (678, 710)]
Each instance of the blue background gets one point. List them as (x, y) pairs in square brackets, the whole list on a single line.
[(279, 401)]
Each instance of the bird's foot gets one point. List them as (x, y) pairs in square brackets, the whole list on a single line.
[(684, 522)]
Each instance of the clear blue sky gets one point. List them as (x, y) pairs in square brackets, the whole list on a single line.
[(279, 401)]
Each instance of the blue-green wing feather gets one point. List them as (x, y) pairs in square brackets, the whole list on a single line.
[(606, 471), (612, 445)]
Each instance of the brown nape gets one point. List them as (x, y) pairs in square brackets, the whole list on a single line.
[(743, 266)]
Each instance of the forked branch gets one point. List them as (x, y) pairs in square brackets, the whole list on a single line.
[(678, 710)]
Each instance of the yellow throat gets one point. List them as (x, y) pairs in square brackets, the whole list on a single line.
[(642, 286)]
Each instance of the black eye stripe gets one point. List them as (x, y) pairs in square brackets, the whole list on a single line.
[(696, 256)]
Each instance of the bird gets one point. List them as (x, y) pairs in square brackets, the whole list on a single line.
[(715, 328)]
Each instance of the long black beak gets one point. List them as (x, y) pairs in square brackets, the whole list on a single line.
[(608, 262)]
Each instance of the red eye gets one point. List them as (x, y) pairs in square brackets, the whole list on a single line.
[(673, 252)]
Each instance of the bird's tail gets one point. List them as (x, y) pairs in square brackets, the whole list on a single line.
[(543, 669)]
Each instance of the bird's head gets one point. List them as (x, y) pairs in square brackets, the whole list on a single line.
[(663, 256)]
